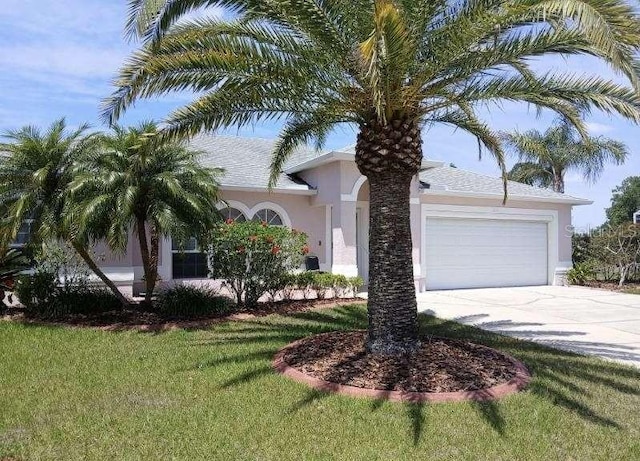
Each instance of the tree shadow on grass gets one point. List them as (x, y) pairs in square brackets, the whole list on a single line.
[(560, 377)]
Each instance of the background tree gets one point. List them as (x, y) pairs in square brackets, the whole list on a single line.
[(618, 246), (388, 66), (157, 188), (35, 173), (545, 158), (625, 202)]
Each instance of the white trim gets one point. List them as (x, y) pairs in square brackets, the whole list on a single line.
[(165, 270), (237, 205), (494, 213), (115, 274), (249, 213), (350, 270), (273, 207), (524, 198), (353, 195), (414, 201), (320, 160), (303, 190), (328, 237)]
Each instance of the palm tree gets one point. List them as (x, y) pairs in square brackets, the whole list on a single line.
[(35, 172), (155, 188), (389, 67), (545, 158)]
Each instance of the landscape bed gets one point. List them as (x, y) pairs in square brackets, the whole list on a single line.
[(211, 393)]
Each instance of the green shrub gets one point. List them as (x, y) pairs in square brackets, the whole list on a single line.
[(252, 258), (43, 297), (37, 289), (581, 273), (355, 284), (304, 282), (322, 283), (188, 301)]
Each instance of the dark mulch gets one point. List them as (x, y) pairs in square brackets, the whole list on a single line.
[(441, 364), (613, 286), (145, 319)]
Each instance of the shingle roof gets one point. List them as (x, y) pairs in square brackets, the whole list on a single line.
[(446, 178), (246, 161)]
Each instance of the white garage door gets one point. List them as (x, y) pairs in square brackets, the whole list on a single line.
[(479, 253)]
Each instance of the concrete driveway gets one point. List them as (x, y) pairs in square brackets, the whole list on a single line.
[(577, 319)]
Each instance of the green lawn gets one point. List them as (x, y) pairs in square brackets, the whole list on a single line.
[(211, 394)]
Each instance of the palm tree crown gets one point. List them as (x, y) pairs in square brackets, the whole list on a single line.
[(135, 182), (389, 67), (35, 171), (545, 158)]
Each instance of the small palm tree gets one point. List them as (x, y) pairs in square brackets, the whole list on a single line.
[(545, 158), (155, 188), (35, 171), (389, 67)]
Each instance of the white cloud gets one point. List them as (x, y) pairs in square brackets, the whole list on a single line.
[(596, 128)]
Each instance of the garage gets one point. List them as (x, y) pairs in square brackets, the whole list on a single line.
[(483, 253)]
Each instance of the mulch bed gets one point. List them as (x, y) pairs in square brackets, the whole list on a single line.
[(441, 365), (138, 318), (612, 286)]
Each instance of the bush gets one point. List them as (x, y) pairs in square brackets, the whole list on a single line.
[(581, 273), (59, 286), (253, 258), (188, 301), (43, 297)]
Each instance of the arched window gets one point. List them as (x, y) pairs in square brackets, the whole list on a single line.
[(269, 216), (233, 214)]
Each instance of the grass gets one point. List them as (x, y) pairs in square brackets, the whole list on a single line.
[(211, 394), (632, 291)]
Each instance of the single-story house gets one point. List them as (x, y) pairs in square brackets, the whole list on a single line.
[(463, 235)]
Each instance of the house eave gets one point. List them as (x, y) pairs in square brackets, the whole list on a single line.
[(319, 161), (522, 198), (275, 190)]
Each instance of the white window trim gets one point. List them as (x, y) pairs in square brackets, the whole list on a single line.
[(494, 213), (249, 213)]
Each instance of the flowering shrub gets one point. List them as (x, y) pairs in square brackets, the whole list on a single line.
[(254, 258)]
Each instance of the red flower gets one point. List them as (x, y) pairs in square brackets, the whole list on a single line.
[(264, 224), (305, 249), (253, 238), (295, 231), (9, 283), (229, 221), (240, 249), (268, 239), (275, 250)]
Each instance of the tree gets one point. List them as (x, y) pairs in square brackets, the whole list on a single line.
[(618, 246), (389, 67), (625, 202), (34, 177), (155, 187), (545, 158)]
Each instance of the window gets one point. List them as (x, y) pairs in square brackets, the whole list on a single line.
[(188, 262), (24, 233), (269, 216), (233, 213)]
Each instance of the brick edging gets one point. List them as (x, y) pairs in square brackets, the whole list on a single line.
[(517, 383)]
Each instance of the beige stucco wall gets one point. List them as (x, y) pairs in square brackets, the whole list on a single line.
[(328, 217)]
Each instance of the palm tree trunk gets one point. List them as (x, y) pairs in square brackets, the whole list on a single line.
[(389, 156), (558, 183), (153, 264), (146, 258), (84, 254)]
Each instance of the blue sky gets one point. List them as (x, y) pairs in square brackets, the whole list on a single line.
[(58, 59)]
